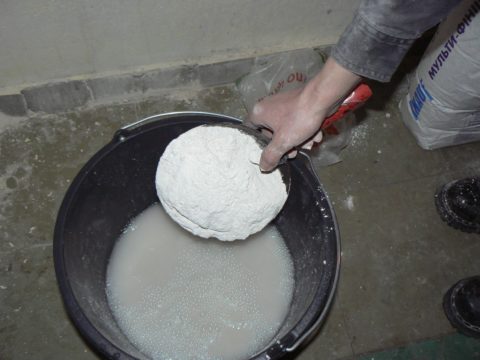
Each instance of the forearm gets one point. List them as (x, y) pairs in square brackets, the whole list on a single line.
[(328, 88)]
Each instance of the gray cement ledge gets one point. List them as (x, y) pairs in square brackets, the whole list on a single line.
[(70, 94)]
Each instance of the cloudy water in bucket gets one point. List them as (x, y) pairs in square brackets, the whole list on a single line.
[(177, 296)]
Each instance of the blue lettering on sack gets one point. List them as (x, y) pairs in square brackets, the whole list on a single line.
[(419, 97), (449, 45)]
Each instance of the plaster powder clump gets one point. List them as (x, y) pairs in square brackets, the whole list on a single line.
[(209, 182)]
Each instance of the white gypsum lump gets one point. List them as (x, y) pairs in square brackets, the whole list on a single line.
[(208, 180)]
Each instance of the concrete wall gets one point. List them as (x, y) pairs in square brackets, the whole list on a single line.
[(44, 40)]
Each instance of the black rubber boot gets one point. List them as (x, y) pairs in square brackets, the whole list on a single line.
[(458, 204), (462, 306)]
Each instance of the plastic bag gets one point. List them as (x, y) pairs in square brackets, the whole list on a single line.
[(335, 139), (287, 71), (275, 73), (442, 107)]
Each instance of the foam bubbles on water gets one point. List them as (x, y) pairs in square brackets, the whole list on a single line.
[(176, 296)]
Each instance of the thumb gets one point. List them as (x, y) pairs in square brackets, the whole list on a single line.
[(271, 155)]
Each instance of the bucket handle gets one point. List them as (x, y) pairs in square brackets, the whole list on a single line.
[(163, 116)]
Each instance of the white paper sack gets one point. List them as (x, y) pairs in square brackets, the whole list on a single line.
[(442, 107)]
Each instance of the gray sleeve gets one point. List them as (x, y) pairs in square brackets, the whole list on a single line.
[(382, 31)]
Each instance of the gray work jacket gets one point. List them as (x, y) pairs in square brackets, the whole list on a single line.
[(382, 31)]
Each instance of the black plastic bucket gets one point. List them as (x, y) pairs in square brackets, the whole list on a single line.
[(118, 183)]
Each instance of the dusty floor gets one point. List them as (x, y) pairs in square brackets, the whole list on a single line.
[(398, 257)]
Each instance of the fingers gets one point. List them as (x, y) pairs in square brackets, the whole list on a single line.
[(308, 145), (314, 140), (271, 155), (292, 154), (318, 137)]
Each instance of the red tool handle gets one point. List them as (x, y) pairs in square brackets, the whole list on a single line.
[(356, 99)]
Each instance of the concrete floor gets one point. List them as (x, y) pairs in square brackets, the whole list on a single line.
[(398, 257)]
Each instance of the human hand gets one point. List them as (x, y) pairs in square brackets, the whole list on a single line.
[(293, 118), (290, 122)]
